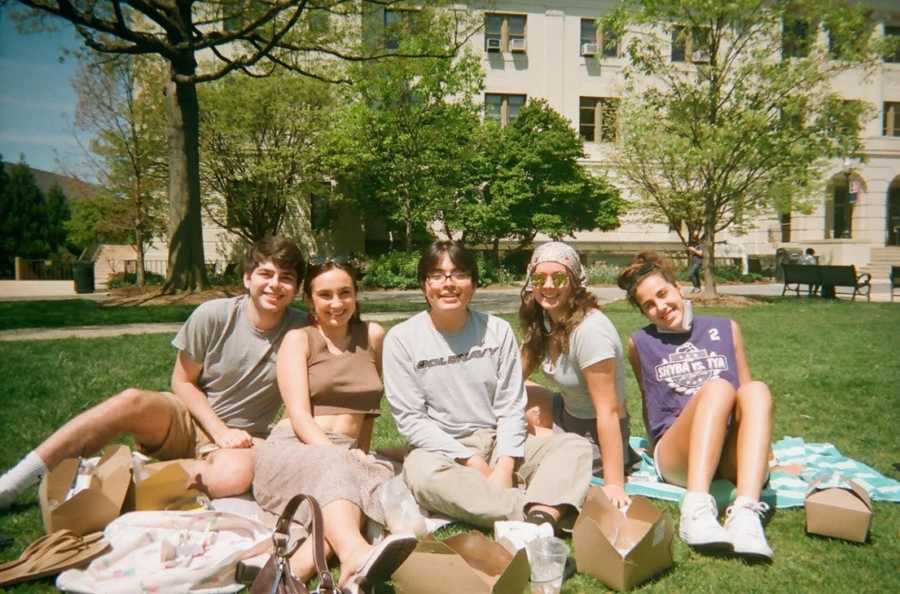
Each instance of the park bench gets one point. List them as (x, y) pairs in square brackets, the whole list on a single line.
[(829, 278), (895, 280)]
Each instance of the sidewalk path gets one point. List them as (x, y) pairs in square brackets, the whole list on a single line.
[(503, 300)]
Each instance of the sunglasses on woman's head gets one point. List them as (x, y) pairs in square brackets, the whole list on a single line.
[(559, 279)]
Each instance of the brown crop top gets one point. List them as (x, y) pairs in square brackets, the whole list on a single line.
[(345, 383)]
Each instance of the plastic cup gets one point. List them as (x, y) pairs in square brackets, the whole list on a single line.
[(547, 557)]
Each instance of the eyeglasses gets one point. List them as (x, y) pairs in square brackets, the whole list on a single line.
[(436, 278), (559, 279)]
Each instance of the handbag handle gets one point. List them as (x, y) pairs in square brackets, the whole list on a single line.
[(282, 531)]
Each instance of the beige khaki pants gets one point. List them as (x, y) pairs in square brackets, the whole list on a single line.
[(555, 471)]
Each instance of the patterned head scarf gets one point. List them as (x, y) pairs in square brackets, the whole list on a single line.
[(561, 253)]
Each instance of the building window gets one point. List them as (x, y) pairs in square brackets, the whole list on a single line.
[(690, 44), (395, 22), (603, 43), (892, 34), (796, 37), (598, 118), (839, 208), (892, 119), (785, 221), (502, 108), (504, 33)]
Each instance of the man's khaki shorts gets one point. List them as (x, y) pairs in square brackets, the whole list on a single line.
[(185, 438)]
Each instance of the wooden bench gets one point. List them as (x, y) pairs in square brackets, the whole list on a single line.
[(829, 278), (895, 280)]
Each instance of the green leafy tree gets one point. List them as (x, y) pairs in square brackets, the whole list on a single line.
[(264, 143), (729, 110), (96, 219), (119, 104), (403, 144), (23, 217), (529, 181), (58, 213), (253, 37)]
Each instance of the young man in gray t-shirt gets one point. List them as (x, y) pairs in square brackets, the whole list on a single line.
[(454, 382), (224, 392)]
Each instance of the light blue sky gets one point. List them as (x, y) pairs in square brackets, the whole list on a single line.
[(37, 102)]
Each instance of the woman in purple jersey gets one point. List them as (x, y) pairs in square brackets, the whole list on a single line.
[(705, 415)]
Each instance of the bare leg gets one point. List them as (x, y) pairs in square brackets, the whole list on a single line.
[(144, 414), (225, 473), (745, 459), (343, 520), (539, 410), (690, 450)]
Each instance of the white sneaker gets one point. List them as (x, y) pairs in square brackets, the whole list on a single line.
[(743, 522), (699, 525)]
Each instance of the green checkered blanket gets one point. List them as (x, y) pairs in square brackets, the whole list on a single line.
[(785, 489)]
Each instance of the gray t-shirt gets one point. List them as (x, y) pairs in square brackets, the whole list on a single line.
[(594, 340), (443, 387), (238, 374)]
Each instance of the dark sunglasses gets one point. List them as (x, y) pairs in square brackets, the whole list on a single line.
[(559, 279)]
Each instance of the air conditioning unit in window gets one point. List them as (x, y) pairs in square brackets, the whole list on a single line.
[(517, 44), (700, 56), (493, 44), (590, 49)]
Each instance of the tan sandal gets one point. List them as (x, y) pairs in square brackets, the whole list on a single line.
[(52, 554)]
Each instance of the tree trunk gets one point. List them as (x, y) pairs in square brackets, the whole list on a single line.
[(496, 251), (186, 267), (139, 244), (709, 259)]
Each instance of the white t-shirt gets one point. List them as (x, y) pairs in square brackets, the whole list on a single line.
[(594, 340)]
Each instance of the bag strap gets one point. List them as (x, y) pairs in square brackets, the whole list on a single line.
[(282, 531)]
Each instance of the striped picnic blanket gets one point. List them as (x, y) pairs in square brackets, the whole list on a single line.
[(786, 488)]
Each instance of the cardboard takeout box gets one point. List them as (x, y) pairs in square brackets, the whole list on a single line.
[(468, 563), (622, 550), (164, 486), (95, 506), (839, 511)]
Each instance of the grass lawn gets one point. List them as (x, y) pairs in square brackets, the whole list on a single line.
[(830, 365), (82, 312)]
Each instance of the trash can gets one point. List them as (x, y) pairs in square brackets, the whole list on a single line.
[(83, 275)]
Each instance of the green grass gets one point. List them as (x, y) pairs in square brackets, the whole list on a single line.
[(81, 312), (832, 367)]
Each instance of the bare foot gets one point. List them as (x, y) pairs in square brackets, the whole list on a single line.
[(354, 561)]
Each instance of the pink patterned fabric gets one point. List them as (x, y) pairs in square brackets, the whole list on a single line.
[(562, 253)]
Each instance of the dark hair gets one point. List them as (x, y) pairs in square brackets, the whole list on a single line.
[(321, 265), (810, 251), (461, 257), (643, 265), (283, 252), (536, 338)]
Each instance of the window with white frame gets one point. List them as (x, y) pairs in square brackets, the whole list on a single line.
[(690, 44), (601, 43), (502, 108), (598, 118), (504, 32), (891, 118)]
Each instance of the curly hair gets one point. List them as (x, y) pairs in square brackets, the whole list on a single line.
[(537, 340), (643, 265)]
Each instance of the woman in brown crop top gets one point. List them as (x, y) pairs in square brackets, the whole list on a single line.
[(329, 375)]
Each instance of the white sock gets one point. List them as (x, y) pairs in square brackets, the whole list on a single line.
[(693, 498), (26, 473), (742, 500)]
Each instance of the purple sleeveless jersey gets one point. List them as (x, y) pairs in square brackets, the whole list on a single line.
[(674, 366)]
